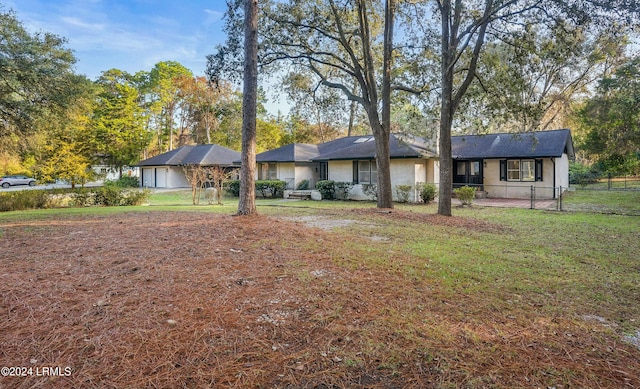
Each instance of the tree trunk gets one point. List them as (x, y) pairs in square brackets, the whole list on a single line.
[(385, 191), (446, 113), (446, 171), (247, 204), (352, 113)]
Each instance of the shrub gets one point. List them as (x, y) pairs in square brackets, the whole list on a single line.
[(402, 192), (135, 197), (427, 192), (466, 194), (124, 182), (327, 189), (108, 196), (24, 199), (343, 190), (583, 175), (303, 185), (82, 198), (277, 188), (233, 187), (370, 190), (270, 188)]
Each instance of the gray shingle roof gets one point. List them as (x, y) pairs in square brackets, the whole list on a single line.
[(295, 152), (521, 145), (350, 147), (204, 155), (364, 147)]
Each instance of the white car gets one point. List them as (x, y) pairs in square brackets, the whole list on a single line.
[(8, 181)]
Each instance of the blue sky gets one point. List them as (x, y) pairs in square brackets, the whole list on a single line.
[(130, 35)]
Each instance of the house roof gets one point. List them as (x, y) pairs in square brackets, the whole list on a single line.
[(350, 147), (519, 145), (295, 152), (364, 147), (204, 155)]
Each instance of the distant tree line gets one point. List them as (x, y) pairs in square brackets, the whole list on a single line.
[(56, 124), (529, 66)]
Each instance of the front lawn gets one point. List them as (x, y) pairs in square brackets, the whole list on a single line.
[(320, 295)]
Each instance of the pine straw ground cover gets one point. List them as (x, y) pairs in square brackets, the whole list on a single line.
[(198, 300)]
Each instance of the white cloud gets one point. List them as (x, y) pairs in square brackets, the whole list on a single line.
[(75, 22), (213, 15)]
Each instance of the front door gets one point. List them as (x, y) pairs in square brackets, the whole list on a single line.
[(467, 173)]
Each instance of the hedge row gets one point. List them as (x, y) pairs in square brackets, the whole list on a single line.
[(264, 188), (59, 198)]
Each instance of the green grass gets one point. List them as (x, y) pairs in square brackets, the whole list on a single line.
[(530, 265), (603, 201), (574, 255), (562, 262)]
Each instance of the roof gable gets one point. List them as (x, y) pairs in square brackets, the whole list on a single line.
[(519, 145)]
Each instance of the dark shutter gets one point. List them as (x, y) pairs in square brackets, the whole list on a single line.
[(355, 172), (503, 170), (538, 170)]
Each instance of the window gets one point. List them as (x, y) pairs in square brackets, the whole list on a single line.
[(474, 168), (365, 172), (528, 170), (513, 170), (273, 172), (268, 171), (461, 168), (521, 170)]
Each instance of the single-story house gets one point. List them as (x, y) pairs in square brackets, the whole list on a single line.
[(500, 165), (292, 163), (510, 165), (350, 159), (167, 170)]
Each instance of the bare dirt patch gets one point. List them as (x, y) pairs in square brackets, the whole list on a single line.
[(179, 299)]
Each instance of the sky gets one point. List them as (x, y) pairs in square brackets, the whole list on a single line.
[(130, 35)]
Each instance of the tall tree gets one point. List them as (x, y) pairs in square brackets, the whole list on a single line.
[(120, 135), (247, 203), (528, 81), (36, 76), (164, 83), (339, 43), (66, 149), (322, 108), (611, 119), (463, 34)]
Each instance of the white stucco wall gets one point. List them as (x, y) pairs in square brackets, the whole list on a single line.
[(340, 171), (305, 172), (287, 173), (176, 178), (163, 177), (562, 172), (403, 172), (544, 189), (433, 171), (292, 173)]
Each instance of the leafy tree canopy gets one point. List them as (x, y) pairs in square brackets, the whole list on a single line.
[(611, 119), (36, 75)]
